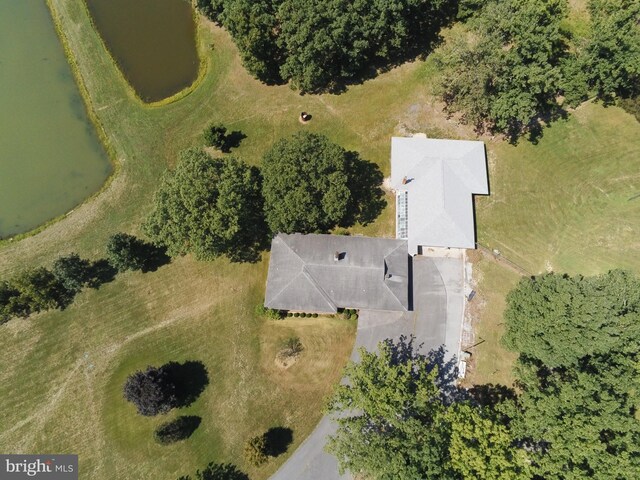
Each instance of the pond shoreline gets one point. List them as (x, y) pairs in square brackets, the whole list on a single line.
[(91, 110), (202, 63)]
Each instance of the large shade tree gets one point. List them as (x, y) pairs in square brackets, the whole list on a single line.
[(612, 56), (579, 345), (312, 185), (209, 207), (400, 418), (320, 46), (504, 75)]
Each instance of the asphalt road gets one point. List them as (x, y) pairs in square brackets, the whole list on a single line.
[(436, 320)]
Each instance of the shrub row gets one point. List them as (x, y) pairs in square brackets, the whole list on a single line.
[(302, 314)]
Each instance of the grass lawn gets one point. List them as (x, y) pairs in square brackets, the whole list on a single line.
[(62, 372), (564, 203), (570, 203), (490, 362)]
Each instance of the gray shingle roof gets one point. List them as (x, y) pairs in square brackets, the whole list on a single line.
[(442, 176), (372, 273)]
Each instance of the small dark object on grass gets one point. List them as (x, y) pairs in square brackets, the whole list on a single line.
[(305, 117)]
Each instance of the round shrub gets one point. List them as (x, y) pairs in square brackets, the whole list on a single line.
[(315, 315), (296, 314), (255, 450), (152, 391)]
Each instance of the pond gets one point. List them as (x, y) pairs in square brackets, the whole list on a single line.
[(50, 156), (152, 41)]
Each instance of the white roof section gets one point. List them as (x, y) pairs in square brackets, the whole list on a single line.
[(442, 176)]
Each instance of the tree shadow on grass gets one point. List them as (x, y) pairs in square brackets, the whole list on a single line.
[(101, 272), (367, 196), (491, 394), (232, 140), (278, 440), (155, 257), (179, 429), (190, 379)]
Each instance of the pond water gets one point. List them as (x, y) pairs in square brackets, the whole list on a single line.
[(152, 41), (50, 156)]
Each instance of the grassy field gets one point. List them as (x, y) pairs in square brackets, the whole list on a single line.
[(565, 204), (62, 372), (570, 203)]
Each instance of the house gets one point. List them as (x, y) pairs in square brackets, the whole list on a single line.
[(321, 273), (435, 181)]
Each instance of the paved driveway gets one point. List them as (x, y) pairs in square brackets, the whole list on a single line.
[(436, 320)]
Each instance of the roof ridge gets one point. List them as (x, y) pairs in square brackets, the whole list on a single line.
[(395, 249), (318, 288), (395, 297), (281, 237)]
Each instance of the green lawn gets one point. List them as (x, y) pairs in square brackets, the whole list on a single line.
[(62, 372), (569, 203), (564, 203)]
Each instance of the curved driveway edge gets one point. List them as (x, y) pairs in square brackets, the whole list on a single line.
[(436, 320)]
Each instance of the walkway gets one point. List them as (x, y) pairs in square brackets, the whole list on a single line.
[(436, 319)]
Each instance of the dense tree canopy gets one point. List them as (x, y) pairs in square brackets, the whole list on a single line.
[(505, 74), (126, 252), (324, 45), (72, 272), (558, 320), (612, 56), (311, 184), (399, 431), (579, 345), (209, 207), (402, 419)]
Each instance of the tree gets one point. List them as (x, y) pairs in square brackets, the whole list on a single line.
[(8, 296), (481, 446), (179, 429), (612, 56), (209, 207), (219, 471), (579, 343), (255, 450), (308, 184), (38, 290), (505, 73), (215, 135), (254, 26), (319, 46), (152, 391), (391, 423), (126, 252), (558, 319), (72, 272)]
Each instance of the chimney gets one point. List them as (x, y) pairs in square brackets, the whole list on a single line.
[(336, 256), (404, 180)]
